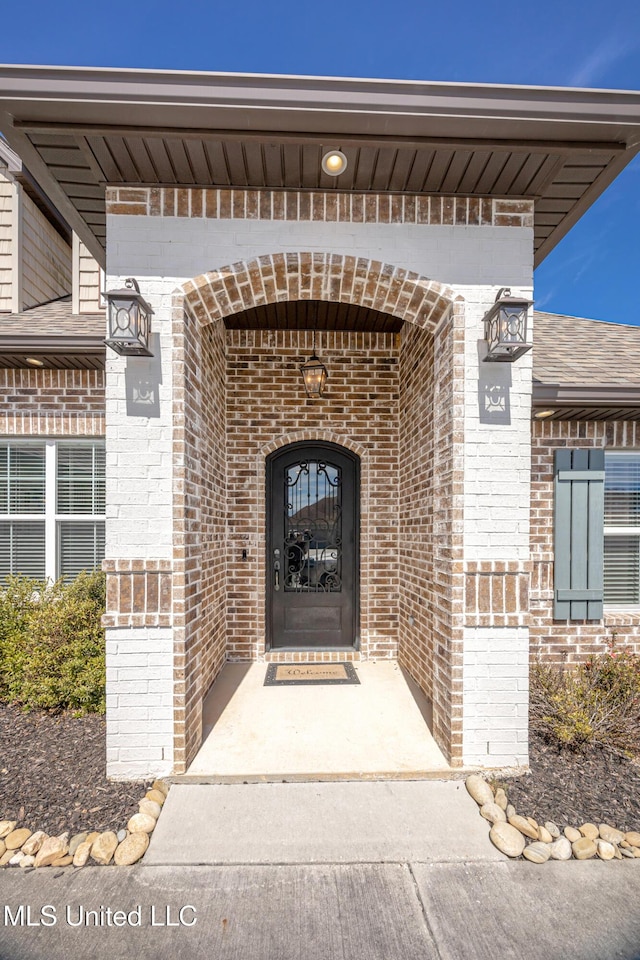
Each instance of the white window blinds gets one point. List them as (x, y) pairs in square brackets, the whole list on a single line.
[(22, 549), (80, 478), (621, 569), (22, 479), (52, 505), (622, 490), (622, 528), (80, 546)]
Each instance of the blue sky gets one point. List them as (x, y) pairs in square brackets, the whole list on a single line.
[(561, 43)]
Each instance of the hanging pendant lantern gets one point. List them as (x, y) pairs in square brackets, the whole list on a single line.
[(314, 374)]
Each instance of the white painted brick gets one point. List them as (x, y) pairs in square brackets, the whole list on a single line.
[(139, 720), (164, 252), (497, 454), (500, 657), (494, 723), (134, 714), (139, 753), (134, 700)]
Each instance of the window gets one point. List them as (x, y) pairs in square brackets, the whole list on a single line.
[(52, 505), (622, 528)]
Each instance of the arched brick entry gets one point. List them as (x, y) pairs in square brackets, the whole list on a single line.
[(219, 454), (317, 276)]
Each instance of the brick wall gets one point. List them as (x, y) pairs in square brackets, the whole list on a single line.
[(183, 234), (139, 593), (497, 438), (229, 251), (52, 403), (496, 536), (495, 674), (140, 710), (201, 582), (430, 521), (323, 206), (563, 641), (268, 408)]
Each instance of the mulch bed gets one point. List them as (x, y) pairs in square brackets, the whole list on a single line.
[(52, 778), (595, 785), (52, 774)]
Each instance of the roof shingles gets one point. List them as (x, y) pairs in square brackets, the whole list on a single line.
[(52, 319), (573, 350)]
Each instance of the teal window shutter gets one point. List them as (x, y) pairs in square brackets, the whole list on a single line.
[(579, 535)]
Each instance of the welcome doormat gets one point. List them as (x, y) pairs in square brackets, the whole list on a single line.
[(287, 674)]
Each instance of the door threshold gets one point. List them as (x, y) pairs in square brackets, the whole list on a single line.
[(307, 652), (446, 773)]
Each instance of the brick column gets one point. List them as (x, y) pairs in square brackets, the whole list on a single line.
[(497, 435), (139, 652)]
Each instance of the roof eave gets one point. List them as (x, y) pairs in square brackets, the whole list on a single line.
[(38, 97), (571, 395), (45, 346)]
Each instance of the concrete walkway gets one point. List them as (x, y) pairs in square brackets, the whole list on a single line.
[(377, 728), (391, 911), (353, 822), (323, 871)]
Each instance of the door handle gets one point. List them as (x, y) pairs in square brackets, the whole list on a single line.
[(276, 575)]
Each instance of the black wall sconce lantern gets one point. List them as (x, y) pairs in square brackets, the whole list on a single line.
[(314, 374), (505, 328), (129, 321)]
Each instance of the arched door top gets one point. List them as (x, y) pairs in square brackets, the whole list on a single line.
[(318, 276)]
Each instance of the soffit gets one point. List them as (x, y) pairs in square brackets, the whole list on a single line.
[(79, 129)]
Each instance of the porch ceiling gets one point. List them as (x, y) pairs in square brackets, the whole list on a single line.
[(313, 315), (80, 129)]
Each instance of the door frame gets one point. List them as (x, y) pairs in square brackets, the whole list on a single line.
[(269, 466)]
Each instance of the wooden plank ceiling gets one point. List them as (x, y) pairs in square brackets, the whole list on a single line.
[(588, 413), (52, 361), (556, 176), (313, 315)]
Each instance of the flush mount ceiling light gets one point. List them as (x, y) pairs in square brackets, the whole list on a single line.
[(334, 163), (541, 414), (34, 362)]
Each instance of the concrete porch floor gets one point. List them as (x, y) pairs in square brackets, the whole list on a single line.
[(375, 730)]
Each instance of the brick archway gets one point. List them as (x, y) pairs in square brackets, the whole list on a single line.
[(317, 276), (219, 460)]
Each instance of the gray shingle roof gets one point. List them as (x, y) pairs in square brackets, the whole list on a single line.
[(573, 350), (51, 320)]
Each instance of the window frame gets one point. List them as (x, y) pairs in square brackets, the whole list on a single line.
[(51, 518), (612, 530)]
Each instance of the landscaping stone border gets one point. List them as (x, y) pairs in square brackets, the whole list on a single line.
[(510, 832), (21, 847)]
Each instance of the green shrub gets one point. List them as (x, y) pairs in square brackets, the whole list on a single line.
[(594, 702), (52, 643)]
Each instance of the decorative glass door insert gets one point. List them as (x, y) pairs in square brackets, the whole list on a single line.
[(313, 527)]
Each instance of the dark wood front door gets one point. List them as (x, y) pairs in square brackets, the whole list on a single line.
[(312, 548)]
